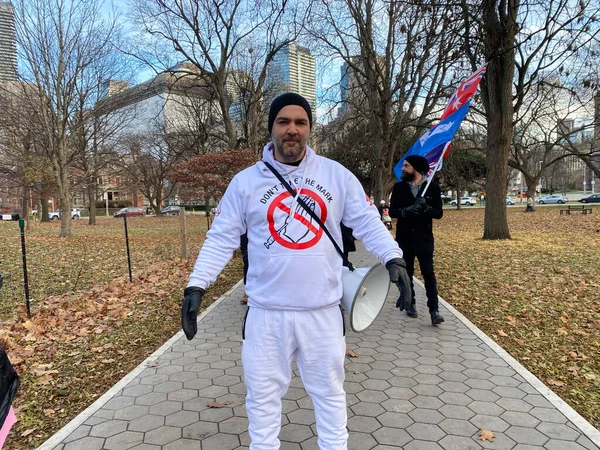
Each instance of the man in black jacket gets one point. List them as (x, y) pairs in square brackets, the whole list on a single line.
[(414, 232)]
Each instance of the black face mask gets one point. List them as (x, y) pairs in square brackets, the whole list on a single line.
[(407, 176)]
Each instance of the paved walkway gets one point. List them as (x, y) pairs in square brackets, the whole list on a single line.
[(412, 386)]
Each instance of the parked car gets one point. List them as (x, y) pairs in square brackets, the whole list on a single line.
[(469, 201), (594, 198), (131, 211), (9, 216), (75, 214), (556, 198), (509, 201), (172, 210)]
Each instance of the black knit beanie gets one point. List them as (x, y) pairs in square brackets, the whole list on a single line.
[(418, 162), (284, 100)]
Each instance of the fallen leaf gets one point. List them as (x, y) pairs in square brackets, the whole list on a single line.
[(153, 363), (214, 405), (486, 435), (351, 354), (502, 333), (553, 382), (27, 432)]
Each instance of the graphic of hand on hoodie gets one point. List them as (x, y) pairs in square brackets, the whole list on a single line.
[(290, 228)]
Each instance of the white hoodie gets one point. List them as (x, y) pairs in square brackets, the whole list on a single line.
[(292, 263)]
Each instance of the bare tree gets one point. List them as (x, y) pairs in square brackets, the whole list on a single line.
[(215, 35), (522, 41), (22, 149), (396, 70), (58, 41)]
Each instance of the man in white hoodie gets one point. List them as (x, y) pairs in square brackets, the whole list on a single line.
[(294, 281)]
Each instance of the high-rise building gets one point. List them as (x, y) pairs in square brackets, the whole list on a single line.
[(352, 85), (293, 69), (8, 49)]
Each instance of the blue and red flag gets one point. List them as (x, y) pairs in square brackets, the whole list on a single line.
[(464, 92), (433, 143)]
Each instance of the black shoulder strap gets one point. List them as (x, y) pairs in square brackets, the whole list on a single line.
[(311, 212)]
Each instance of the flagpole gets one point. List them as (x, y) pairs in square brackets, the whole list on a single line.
[(435, 169)]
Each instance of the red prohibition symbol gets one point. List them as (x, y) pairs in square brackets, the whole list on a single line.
[(314, 228)]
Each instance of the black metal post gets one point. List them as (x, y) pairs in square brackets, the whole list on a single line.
[(127, 243), (24, 254)]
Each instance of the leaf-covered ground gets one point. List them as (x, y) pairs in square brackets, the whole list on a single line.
[(79, 343), (537, 295)]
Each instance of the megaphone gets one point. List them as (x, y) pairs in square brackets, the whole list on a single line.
[(364, 294)]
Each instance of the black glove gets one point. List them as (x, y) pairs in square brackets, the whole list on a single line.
[(192, 298), (412, 210), (422, 204), (398, 275)]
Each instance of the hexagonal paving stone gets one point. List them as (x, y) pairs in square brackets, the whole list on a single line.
[(166, 408), (558, 431), (524, 435), (221, 442), (457, 427), (363, 424), (395, 420), (429, 416), (367, 409), (425, 432), (485, 408), (489, 422), (520, 419), (234, 425), (163, 435), (458, 443), (124, 440), (419, 445), (131, 412), (392, 436), (86, 443), (151, 399), (301, 417), (108, 428), (182, 418), (372, 396), (426, 402), (295, 433), (200, 430)]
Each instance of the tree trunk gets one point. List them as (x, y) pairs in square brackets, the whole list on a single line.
[(499, 39), (43, 207), (92, 202)]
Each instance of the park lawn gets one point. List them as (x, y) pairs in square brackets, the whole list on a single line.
[(90, 326), (536, 295)]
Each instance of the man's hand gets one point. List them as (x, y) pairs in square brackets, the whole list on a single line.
[(412, 210), (422, 204), (192, 298), (398, 275)]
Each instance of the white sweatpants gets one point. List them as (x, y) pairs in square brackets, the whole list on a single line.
[(272, 339)]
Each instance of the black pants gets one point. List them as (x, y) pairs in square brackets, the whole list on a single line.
[(244, 250), (426, 264)]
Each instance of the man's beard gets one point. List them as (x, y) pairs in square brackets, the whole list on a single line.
[(407, 176), (290, 154)]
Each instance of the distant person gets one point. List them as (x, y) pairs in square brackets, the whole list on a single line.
[(414, 228), (529, 207)]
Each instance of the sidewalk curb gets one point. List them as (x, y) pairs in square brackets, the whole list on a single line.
[(65, 431), (584, 426)]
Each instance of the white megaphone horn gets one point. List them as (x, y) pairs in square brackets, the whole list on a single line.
[(364, 294)]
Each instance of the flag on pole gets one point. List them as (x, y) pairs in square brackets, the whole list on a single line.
[(464, 92), (432, 144)]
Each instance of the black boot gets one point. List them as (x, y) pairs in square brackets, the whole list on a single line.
[(436, 319), (412, 312)]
